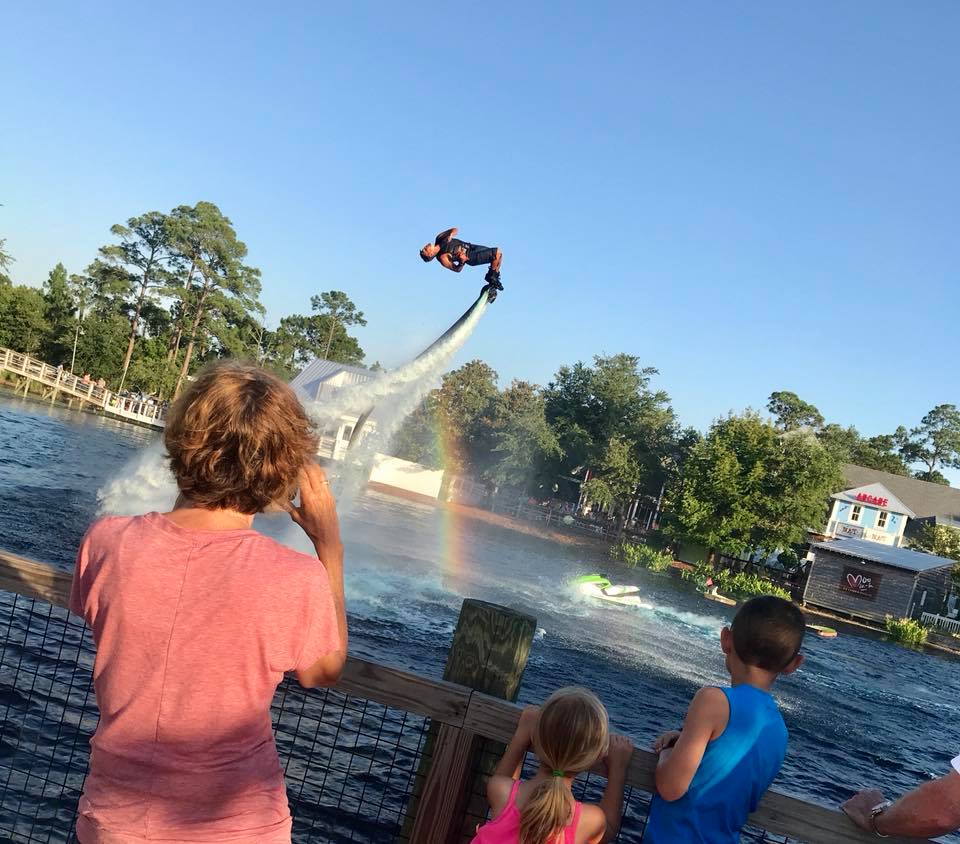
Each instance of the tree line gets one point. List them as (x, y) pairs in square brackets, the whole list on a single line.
[(601, 433), (170, 292), (174, 290)]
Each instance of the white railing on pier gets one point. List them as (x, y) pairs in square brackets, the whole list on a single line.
[(940, 622), (58, 380)]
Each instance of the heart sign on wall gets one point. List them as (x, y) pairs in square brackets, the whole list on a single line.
[(860, 582)]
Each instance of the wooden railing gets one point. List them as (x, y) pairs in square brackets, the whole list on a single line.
[(465, 714), (58, 380)]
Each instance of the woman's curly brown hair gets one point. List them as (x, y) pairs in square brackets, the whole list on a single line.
[(237, 438)]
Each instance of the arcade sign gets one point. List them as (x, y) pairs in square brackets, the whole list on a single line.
[(866, 498), (860, 583)]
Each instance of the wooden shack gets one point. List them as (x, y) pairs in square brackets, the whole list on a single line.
[(871, 581)]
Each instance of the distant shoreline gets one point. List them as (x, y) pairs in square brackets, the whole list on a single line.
[(498, 519)]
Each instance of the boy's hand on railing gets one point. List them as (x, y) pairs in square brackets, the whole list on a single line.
[(666, 741)]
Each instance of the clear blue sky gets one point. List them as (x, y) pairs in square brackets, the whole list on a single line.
[(748, 196)]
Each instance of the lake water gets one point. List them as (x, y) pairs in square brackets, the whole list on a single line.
[(860, 712)]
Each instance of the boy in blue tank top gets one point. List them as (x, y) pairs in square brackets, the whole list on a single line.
[(712, 773)]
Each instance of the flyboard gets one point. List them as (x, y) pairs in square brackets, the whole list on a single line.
[(597, 586), (362, 420)]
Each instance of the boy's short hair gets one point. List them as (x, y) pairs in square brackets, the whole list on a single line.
[(237, 438), (768, 632)]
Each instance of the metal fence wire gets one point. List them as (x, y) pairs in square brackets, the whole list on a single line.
[(351, 764)]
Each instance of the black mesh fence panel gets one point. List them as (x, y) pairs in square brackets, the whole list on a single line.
[(351, 764)]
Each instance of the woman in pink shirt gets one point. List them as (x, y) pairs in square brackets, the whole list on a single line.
[(196, 618)]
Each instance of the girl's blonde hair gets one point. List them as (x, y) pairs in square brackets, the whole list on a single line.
[(572, 733)]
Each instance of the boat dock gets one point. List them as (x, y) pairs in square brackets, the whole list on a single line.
[(56, 381)]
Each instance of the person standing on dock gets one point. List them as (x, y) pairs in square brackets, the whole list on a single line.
[(196, 617), (569, 734), (928, 811), (711, 774)]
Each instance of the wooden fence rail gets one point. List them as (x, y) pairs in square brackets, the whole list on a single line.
[(465, 713), (57, 380)]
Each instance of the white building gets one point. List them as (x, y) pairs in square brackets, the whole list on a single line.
[(869, 512), (322, 381)]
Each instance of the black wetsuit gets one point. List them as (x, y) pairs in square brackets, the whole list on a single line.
[(475, 254)]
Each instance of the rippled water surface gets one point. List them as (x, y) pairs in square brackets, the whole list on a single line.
[(860, 712)]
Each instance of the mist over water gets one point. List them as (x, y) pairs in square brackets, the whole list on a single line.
[(145, 482)]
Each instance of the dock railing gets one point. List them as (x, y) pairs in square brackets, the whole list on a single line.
[(356, 757), (56, 380)]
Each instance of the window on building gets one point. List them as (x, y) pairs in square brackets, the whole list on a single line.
[(855, 513), (347, 433), (882, 519)]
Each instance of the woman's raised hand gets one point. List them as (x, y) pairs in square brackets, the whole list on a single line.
[(317, 513)]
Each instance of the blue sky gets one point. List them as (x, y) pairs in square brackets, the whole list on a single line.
[(748, 196)]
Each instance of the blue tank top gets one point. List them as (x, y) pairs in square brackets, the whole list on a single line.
[(737, 768)]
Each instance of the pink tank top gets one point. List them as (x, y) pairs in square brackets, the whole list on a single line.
[(505, 827)]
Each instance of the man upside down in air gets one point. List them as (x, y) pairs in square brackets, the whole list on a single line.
[(455, 254)]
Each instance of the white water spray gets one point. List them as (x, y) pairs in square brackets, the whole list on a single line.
[(145, 482)]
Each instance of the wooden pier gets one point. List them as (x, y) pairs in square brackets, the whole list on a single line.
[(459, 715), (56, 382)]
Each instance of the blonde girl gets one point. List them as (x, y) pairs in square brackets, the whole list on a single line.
[(569, 735)]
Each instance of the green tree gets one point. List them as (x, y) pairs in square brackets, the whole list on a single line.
[(23, 326), (459, 415), (340, 312), (848, 446), (301, 338), (522, 439), (6, 259), (58, 313), (418, 438), (464, 406), (935, 442), (941, 540), (748, 487), (793, 412), (215, 286), (616, 477), (590, 406), (140, 259), (82, 289), (100, 345)]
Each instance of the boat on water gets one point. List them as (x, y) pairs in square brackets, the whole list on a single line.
[(823, 631), (720, 599), (598, 586)]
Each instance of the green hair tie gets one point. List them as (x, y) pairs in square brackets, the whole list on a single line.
[(559, 774)]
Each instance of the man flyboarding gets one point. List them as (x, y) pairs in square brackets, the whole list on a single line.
[(455, 254)]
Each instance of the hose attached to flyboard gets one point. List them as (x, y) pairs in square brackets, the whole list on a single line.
[(361, 421)]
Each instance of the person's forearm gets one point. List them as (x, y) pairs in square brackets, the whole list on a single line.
[(512, 760), (612, 803), (332, 558), (932, 809)]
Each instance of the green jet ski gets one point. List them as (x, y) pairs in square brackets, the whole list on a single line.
[(597, 586)]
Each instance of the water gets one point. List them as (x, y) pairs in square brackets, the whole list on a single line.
[(860, 712)]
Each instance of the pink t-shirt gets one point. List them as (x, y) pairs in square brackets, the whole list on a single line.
[(194, 630)]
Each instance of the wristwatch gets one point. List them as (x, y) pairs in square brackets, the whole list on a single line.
[(875, 812)]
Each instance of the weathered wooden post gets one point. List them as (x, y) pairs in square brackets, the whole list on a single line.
[(489, 653)]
